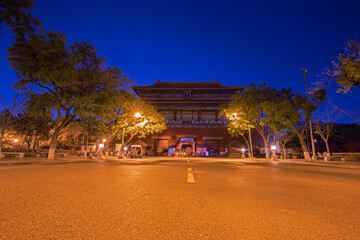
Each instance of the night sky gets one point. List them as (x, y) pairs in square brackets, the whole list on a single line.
[(237, 42)]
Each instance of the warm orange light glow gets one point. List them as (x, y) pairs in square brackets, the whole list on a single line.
[(137, 115), (16, 140), (104, 140)]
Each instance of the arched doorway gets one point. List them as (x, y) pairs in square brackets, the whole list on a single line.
[(187, 145)]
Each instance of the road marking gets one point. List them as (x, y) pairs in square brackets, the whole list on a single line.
[(190, 176)]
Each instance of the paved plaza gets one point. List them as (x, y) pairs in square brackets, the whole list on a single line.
[(185, 198)]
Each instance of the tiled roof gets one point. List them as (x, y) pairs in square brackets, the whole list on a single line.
[(187, 85)]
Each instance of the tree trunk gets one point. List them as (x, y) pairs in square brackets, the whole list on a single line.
[(261, 131), (54, 137), (35, 142), (284, 150), (2, 133), (304, 147), (87, 143), (327, 147), (267, 154), (122, 143), (247, 143), (251, 147), (106, 148), (83, 139)]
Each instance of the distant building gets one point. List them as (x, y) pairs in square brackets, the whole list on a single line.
[(344, 137), (191, 111)]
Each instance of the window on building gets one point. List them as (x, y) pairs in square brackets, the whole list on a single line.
[(195, 115), (208, 116), (178, 115), (168, 115), (187, 116)]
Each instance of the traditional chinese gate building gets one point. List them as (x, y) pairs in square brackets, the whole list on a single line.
[(191, 111)]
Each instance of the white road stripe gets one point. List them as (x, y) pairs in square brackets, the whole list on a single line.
[(190, 176)]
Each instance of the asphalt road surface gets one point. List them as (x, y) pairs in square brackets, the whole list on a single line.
[(182, 199)]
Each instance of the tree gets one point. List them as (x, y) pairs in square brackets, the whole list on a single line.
[(293, 112), (60, 78), (33, 129), (127, 126), (248, 105), (345, 70), (283, 139), (15, 13), (238, 124), (70, 136), (149, 122), (324, 129), (9, 109)]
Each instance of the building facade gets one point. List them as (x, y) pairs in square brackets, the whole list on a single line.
[(191, 110)]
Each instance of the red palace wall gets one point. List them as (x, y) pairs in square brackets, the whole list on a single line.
[(214, 138)]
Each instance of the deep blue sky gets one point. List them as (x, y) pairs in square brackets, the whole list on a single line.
[(237, 42)]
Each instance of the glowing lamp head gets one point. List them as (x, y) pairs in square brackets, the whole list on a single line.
[(273, 147), (16, 140), (243, 149), (138, 115), (125, 148), (104, 140), (234, 115)]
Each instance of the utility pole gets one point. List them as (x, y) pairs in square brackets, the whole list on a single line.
[(310, 124)]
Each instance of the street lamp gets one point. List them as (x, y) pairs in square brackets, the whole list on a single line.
[(310, 124), (16, 140)]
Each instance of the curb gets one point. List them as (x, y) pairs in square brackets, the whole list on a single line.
[(44, 162), (347, 165)]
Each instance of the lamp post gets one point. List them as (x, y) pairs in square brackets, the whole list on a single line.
[(310, 124), (273, 149)]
